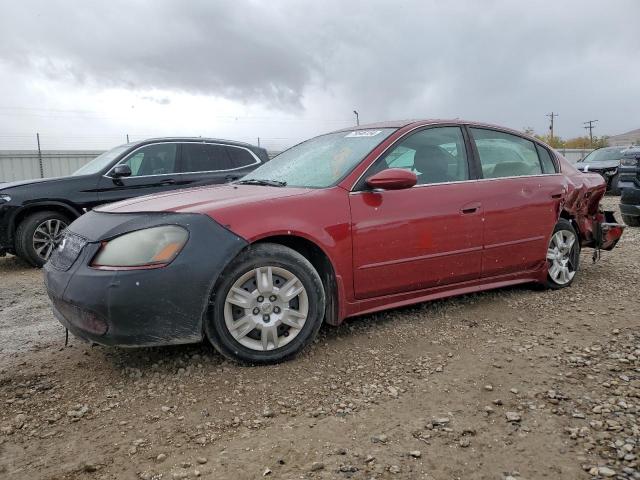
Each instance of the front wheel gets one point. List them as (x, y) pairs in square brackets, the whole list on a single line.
[(563, 255), (38, 234), (267, 306), (614, 185)]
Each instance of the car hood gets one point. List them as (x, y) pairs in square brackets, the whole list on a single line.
[(36, 181), (206, 200), (598, 165)]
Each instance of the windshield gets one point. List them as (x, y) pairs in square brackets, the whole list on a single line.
[(322, 161), (604, 155), (101, 161)]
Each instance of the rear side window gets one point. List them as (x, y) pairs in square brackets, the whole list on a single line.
[(545, 159), (505, 155), (239, 157), (203, 157)]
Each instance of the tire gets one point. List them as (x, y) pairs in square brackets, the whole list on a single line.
[(614, 188), (28, 236), (631, 221), (561, 256), (256, 317)]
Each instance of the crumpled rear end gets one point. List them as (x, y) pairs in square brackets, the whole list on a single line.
[(597, 228)]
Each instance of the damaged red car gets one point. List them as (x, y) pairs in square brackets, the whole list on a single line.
[(345, 224)]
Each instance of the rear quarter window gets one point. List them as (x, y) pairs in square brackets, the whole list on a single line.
[(545, 159)]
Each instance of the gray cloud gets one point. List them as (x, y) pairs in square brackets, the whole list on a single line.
[(498, 60)]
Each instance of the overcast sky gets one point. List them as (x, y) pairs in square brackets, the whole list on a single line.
[(84, 74)]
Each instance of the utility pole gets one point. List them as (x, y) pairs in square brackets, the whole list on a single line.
[(258, 141), (589, 126), (551, 116), (357, 118), (127, 138), (40, 156)]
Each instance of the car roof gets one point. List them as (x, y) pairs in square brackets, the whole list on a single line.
[(192, 140), (435, 121)]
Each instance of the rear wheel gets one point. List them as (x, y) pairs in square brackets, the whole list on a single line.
[(563, 255), (268, 305), (38, 234), (631, 221)]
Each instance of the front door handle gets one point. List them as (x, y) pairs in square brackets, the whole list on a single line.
[(169, 181), (470, 208), (556, 195)]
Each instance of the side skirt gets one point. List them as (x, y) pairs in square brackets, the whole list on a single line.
[(377, 304)]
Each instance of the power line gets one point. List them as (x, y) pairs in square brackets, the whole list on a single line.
[(551, 116), (589, 126)]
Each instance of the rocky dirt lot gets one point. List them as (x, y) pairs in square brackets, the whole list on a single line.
[(510, 384)]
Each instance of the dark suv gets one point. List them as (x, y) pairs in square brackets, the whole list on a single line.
[(630, 186), (606, 162), (34, 213)]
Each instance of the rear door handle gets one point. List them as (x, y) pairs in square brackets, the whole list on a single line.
[(168, 181), (470, 208), (557, 195)]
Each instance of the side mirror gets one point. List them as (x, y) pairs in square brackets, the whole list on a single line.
[(392, 179), (121, 170)]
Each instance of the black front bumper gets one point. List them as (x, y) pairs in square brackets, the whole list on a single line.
[(147, 307)]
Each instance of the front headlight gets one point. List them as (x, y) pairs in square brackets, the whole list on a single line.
[(5, 198), (630, 161), (149, 248)]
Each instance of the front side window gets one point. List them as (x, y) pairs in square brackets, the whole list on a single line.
[(322, 161), (505, 155), (435, 155), (157, 159)]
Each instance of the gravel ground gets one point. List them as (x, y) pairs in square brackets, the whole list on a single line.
[(509, 384)]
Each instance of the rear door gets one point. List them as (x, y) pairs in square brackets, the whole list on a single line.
[(153, 169), (521, 192)]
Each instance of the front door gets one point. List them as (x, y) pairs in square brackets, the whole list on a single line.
[(425, 236), (153, 169)]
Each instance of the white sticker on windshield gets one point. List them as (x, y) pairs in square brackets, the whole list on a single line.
[(363, 133)]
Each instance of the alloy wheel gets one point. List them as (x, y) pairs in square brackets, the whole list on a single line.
[(46, 236), (561, 257), (266, 308)]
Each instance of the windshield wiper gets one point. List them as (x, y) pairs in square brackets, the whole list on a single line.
[(259, 181)]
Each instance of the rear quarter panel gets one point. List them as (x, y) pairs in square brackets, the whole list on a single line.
[(582, 198)]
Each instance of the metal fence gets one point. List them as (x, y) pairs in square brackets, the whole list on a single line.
[(28, 164)]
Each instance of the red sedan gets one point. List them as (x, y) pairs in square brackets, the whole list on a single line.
[(344, 224)]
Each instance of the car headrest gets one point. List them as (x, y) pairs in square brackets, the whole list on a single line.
[(432, 163)]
